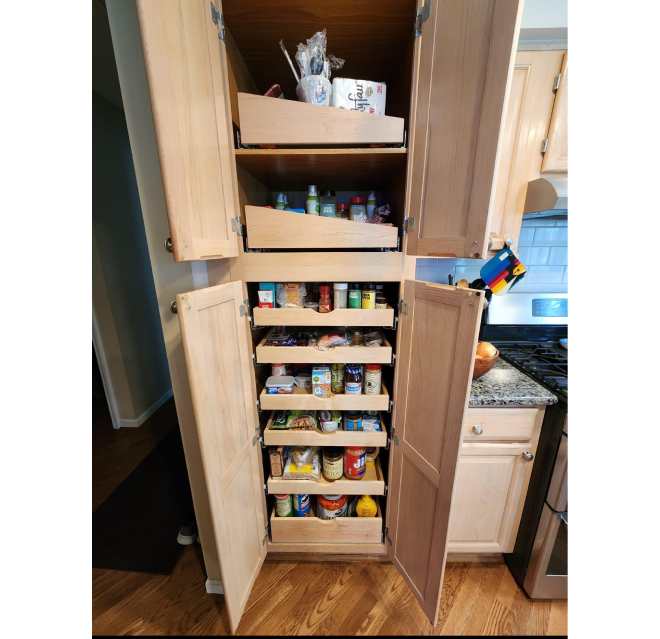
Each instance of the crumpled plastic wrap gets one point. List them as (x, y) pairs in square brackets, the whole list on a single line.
[(315, 70)]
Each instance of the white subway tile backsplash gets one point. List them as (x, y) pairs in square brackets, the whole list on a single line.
[(526, 236), (554, 288), (544, 274), (551, 236), (530, 255), (522, 287), (538, 222), (558, 255), (464, 262), (470, 273), (565, 278)]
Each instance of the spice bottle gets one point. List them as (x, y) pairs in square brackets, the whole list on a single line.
[(358, 210), (381, 301), (371, 205), (342, 211), (328, 203), (312, 201), (369, 296), (373, 379), (280, 202), (325, 305), (333, 463), (341, 295), (354, 296)]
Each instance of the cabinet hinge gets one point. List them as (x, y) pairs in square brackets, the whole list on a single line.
[(408, 224), (385, 531), (557, 82), (389, 539), (403, 308), (396, 440), (216, 16), (244, 308), (544, 146), (422, 16), (236, 225)]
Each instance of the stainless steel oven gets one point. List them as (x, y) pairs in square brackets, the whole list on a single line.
[(547, 573)]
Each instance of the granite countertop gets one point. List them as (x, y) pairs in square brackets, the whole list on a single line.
[(505, 385)]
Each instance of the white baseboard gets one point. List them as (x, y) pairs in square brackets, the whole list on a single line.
[(134, 423), (214, 587)]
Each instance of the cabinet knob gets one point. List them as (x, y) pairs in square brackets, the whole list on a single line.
[(168, 245), (477, 430), (527, 456), (173, 308)]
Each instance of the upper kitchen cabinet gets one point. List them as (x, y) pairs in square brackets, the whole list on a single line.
[(186, 64), (464, 62), (529, 109), (555, 159)]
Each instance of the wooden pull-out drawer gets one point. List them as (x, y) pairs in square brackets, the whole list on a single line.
[(310, 317), (304, 399), (499, 424), (343, 530)]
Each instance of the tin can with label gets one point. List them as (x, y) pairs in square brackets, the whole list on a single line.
[(300, 505), (283, 506)]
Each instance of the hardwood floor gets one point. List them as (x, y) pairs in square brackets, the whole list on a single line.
[(353, 598)]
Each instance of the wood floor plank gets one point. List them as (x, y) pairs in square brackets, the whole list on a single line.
[(539, 617), (558, 622)]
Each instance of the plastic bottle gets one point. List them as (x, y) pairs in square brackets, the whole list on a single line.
[(286, 204), (313, 206), (366, 506), (280, 202), (371, 205)]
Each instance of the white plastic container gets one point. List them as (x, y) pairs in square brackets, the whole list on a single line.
[(279, 385), (359, 95)]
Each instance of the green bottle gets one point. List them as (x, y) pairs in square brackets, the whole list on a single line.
[(313, 206)]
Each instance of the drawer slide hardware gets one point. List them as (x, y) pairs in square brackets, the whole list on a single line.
[(422, 16), (217, 16)]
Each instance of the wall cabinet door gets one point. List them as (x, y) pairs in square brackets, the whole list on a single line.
[(437, 342), (218, 359), (491, 484), (527, 120), (186, 67), (463, 66), (555, 159)]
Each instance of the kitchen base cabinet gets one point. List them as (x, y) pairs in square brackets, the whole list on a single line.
[(492, 479)]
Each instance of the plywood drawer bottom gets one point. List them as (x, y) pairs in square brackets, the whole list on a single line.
[(312, 530)]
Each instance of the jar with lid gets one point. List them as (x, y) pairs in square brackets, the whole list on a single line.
[(331, 506), (358, 209), (337, 372), (325, 305), (333, 463), (355, 296), (353, 420), (353, 379), (328, 203), (357, 337), (341, 294), (313, 305), (372, 453), (373, 379), (342, 211), (369, 296), (355, 462), (381, 301)]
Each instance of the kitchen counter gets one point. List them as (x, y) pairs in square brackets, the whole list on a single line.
[(505, 385)]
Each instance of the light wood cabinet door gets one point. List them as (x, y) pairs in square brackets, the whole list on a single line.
[(491, 485), (464, 61), (214, 336), (555, 159), (186, 64), (527, 120), (437, 341)]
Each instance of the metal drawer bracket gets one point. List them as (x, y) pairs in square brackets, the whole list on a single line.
[(391, 406), (255, 362), (215, 16), (422, 16)]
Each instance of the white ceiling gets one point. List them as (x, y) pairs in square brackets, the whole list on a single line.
[(105, 80)]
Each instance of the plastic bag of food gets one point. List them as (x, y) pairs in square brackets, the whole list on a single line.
[(300, 455), (310, 470), (291, 295), (331, 340), (371, 423), (381, 214), (373, 338), (294, 420)]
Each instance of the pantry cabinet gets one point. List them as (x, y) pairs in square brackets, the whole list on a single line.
[(555, 158), (447, 73)]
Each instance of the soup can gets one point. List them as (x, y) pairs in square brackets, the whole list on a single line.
[(300, 505)]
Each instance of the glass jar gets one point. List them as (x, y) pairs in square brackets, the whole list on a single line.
[(381, 302), (373, 379), (328, 203), (325, 305), (369, 296), (372, 453), (355, 296), (313, 305), (341, 295), (342, 211), (355, 462), (333, 463), (353, 420), (357, 337), (337, 378), (331, 506), (358, 209), (353, 379)]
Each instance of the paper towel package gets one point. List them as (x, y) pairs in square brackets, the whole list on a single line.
[(359, 95)]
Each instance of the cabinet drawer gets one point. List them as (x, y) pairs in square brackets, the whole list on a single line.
[(336, 317), (343, 530), (499, 424)]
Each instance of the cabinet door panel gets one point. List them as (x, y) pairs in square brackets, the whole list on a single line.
[(186, 67), (464, 65), (555, 159), (435, 361), (218, 361)]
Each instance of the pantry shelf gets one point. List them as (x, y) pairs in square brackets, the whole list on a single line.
[(276, 229), (372, 484), (317, 438), (345, 169), (310, 317), (338, 355), (304, 399)]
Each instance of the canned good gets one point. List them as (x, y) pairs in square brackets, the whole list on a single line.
[(300, 505), (283, 506), (331, 506)]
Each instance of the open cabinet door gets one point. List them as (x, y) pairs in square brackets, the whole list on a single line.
[(436, 356), (218, 361), (463, 68), (186, 66)]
